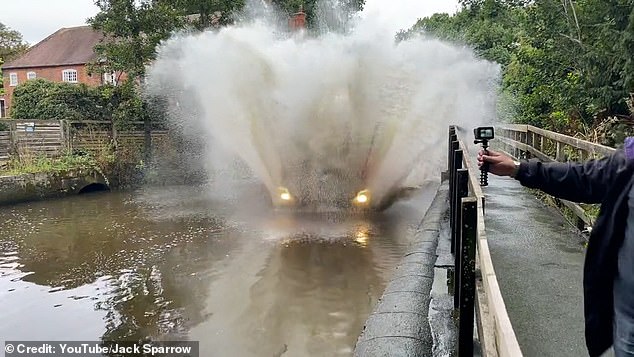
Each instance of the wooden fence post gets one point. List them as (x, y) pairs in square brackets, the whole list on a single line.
[(114, 134), (69, 136), (62, 135), (530, 138), (13, 129), (558, 151), (147, 129)]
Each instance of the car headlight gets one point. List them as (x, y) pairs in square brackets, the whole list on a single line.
[(362, 198), (284, 194)]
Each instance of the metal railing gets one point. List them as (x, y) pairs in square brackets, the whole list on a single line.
[(462, 223), (476, 291)]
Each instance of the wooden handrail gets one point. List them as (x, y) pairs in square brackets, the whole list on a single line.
[(528, 146), (579, 144)]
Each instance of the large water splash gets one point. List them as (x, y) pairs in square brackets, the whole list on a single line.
[(325, 116)]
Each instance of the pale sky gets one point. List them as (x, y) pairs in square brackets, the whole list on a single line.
[(36, 19), (402, 14)]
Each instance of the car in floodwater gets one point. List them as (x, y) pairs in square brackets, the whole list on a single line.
[(333, 171), (361, 201), (332, 189)]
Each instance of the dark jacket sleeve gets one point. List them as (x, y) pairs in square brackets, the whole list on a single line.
[(578, 182)]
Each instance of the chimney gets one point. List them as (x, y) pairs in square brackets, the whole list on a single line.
[(298, 20)]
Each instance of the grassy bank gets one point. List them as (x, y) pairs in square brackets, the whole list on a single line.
[(41, 164)]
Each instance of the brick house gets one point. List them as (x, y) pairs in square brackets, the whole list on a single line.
[(64, 57), (61, 57)]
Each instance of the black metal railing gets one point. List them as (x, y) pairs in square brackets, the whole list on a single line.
[(463, 226)]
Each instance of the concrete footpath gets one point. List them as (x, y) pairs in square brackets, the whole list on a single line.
[(538, 258)]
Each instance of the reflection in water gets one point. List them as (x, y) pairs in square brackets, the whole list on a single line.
[(175, 264), (313, 298)]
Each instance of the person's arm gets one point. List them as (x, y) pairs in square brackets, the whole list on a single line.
[(579, 182)]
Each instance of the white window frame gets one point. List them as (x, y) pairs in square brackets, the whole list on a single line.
[(13, 79), (31, 75), (70, 76), (110, 78)]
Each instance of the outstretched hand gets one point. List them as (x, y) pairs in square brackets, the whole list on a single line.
[(499, 164)]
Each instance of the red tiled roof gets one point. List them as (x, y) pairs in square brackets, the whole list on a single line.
[(65, 47)]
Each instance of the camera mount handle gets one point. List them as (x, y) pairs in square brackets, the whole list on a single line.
[(484, 169)]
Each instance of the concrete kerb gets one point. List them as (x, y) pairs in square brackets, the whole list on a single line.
[(399, 325)]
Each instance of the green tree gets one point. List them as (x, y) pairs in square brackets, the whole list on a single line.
[(11, 46), (566, 64), (489, 26), (627, 47), (603, 44), (210, 13), (133, 29), (11, 43)]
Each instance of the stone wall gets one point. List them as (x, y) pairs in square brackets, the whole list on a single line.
[(32, 187)]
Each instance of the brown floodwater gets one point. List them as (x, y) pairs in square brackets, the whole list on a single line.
[(197, 263)]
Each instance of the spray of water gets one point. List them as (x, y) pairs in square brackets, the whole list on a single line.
[(326, 115)]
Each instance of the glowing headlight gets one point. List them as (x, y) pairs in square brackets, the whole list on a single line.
[(284, 194), (363, 197)]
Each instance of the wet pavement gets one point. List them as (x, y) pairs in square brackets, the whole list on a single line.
[(181, 262), (538, 258)]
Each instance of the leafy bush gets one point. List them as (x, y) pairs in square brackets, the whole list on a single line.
[(43, 99)]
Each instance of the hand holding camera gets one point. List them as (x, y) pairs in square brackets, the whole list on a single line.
[(482, 136), (497, 163), (492, 161)]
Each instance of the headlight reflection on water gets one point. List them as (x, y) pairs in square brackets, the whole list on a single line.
[(362, 238), (362, 235)]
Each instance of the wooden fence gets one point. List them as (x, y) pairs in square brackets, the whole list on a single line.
[(527, 141), (52, 138), (5, 146)]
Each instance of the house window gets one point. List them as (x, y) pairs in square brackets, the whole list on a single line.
[(2, 109), (69, 75), (110, 78), (31, 75), (13, 79)]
